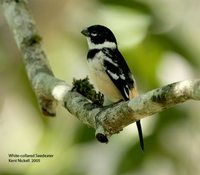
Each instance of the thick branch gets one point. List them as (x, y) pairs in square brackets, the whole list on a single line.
[(115, 118), (50, 90), (28, 41)]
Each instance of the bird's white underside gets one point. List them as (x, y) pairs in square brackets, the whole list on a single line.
[(102, 81)]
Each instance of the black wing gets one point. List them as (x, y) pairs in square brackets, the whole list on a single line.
[(118, 71), (121, 76)]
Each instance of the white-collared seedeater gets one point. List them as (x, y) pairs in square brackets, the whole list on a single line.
[(108, 68)]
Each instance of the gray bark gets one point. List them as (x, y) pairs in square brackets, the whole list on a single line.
[(50, 90)]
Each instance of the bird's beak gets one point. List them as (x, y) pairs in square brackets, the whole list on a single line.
[(85, 32)]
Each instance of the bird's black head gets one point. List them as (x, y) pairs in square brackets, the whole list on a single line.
[(99, 34)]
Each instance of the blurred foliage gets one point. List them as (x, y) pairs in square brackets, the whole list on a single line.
[(149, 34), (84, 134)]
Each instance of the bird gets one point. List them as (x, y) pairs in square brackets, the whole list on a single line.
[(108, 69)]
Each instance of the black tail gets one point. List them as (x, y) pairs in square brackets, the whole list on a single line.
[(139, 128)]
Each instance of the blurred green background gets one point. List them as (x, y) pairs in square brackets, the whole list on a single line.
[(160, 40)]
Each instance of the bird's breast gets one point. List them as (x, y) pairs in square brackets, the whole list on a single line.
[(101, 80)]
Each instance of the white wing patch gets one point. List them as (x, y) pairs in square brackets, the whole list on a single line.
[(110, 61), (126, 92), (113, 75), (122, 76)]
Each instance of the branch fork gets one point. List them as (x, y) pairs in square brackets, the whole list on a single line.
[(50, 90)]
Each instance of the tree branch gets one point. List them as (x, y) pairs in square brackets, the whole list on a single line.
[(106, 120)]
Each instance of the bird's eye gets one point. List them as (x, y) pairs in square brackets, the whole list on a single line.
[(94, 34)]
